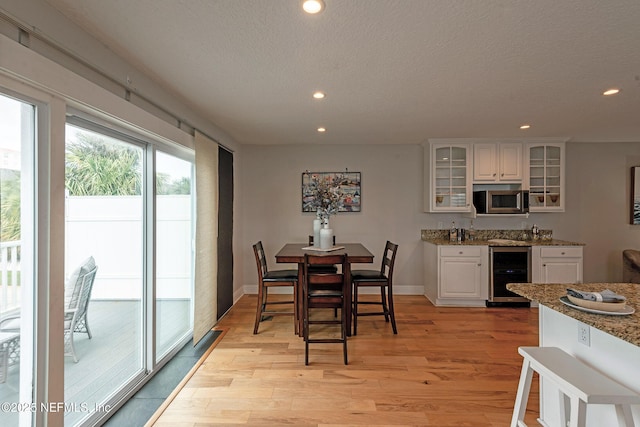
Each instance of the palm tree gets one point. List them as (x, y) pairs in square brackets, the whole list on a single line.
[(9, 205), (95, 167)]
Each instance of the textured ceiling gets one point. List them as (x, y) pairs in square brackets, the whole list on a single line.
[(395, 71)]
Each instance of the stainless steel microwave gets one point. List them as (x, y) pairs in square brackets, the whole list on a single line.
[(501, 201)]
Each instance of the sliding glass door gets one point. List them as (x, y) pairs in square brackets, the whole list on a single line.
[(174, 251), (104, 268), (17, 272), (128, 263)]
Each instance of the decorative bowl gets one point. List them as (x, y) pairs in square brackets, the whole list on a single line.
[(597, 305)]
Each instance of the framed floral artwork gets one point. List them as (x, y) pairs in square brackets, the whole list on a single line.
[(331, 192)]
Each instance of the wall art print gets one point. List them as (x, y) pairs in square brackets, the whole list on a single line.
[(340, 189)]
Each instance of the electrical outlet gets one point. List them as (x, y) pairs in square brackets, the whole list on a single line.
[(583, 334)]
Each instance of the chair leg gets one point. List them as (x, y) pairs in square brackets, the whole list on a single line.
[(305, 329), (86, 325), (383, 301), (344, 329), (392, 313), (3, 365), (69, 342), (259, 309), (355, 309), (83, 326), (295, 309)]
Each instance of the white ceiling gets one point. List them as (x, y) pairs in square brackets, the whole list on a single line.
[(395, 71)]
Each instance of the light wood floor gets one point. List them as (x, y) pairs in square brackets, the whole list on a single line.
[(446, 367)]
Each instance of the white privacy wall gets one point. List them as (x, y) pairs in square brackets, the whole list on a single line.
[(110, 230), (596, 205)]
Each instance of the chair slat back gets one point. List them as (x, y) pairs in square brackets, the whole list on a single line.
[(85, 293), (261, 259), (313, 277), (388, 259)]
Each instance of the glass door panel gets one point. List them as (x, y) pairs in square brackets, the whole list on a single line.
[(545, 185), (17, 275), (450, 177), (103, 226), (174, 251)]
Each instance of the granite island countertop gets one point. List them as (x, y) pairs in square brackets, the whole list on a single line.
[(627, 328)]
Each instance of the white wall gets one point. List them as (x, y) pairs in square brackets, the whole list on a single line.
[(597, 204), (600, 178), (391, 203)]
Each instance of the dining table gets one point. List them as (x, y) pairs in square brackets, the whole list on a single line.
[(294, 253)]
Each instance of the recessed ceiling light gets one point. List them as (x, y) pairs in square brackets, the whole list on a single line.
[(525, 126), (318, 95), (612, 91), (321, 129), (313, 6)]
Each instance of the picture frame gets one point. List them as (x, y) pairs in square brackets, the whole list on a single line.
[(348, 184), (635, 195)]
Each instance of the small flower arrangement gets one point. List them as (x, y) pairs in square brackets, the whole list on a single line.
[(324, 195)]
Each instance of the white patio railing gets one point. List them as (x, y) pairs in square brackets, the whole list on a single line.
[(9, 276)]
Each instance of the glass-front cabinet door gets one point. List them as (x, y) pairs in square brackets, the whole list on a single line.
[(449, 186), (546, 177)]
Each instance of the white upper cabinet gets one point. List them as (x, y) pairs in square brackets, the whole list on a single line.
[(545, 165), (447, 177), (497, 162), (452, 167)]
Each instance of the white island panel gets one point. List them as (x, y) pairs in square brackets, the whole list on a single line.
[(612, 356)]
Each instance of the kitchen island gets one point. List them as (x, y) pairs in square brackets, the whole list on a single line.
[(608, 343)]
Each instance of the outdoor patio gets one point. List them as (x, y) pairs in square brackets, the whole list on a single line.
[(108, 359)]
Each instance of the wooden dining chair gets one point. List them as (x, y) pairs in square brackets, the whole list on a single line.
[(275, 278), (327, 268), (324, 290), (382, 279)]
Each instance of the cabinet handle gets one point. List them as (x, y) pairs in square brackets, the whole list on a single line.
[(501, 174), (544, 265), (479, 265), (562, 253), (494, 174), (460, 253)]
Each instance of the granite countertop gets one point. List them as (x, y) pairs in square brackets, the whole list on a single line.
[(552, 242), (626, 328), (441, 237)]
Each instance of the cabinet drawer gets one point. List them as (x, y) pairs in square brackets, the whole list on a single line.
[(460, 251), (561, 252)]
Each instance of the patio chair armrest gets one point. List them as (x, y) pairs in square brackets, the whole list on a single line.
[(10, 324)]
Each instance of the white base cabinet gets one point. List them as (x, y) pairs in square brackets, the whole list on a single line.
[(456, 275), (556, 264)]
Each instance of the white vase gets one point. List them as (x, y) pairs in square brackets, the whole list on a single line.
[(326, 236), (317, 226)]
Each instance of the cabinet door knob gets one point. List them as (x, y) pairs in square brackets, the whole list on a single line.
[(479, 265), (494, 174), (544, 265), (562, 253), (460, 253)]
